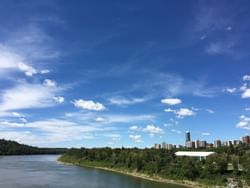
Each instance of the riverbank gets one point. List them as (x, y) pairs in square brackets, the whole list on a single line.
[(184, 183)]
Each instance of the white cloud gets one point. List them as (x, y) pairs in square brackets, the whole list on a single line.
[(59, 99), (171, 101), (100, 119), (136, 138), (116, 118), (246, 78), (219, 48), (210, 111), (45, 71), (123, 101), (5, 114), (8, 124), (195, 109), (231, 90), (109, 118), (229, 28), (244, 122), (134, 128), (176, 131), (25, 96), (205, 134), (22, 48), (168, 125), (48, 131), (89, 105), (31, 42), (68, 114), (184, 112), (169, 84), (247, 109), (203, 37), (243, 87), (10, 61), (28, 70), (170, 110), (174, 121), (246, 94), (152, 129), (16, 114), (114, 137), (49, 83), (23, 120)]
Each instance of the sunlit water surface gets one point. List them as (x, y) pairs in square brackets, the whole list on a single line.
[(43, 171)]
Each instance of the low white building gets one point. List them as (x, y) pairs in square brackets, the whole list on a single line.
[(197, 154)]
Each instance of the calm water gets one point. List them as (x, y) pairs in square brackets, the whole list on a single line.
[(43, 171)]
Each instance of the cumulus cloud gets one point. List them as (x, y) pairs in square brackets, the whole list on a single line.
[(45, 71), (244, 122), (49, 83), (120, 101), (182, 112), (243, 87), (89, 105), (171, 101), (59, 99), (231, 90), (246, 78), (134, 128), (246, 93), (152, 129), (136, 138)]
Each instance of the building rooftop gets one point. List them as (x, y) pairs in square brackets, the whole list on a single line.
[(194, 153)]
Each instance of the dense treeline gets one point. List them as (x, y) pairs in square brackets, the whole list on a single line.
[(230, 163), (14, 148)]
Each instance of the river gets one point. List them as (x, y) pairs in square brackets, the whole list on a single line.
[(43, 171)]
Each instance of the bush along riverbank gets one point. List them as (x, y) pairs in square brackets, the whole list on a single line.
[(229, 167)]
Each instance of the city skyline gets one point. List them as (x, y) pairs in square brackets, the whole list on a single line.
[(202, 144), (94, 74)]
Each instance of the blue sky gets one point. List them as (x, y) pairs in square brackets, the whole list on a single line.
[(123, 73)]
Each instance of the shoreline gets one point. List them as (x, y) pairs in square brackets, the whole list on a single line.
[(184, 183)]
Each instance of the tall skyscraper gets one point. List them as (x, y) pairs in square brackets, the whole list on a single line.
[(217, 143), (188, 136), (188, 142)]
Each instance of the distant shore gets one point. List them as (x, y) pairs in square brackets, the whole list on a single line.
[(185, 183)]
